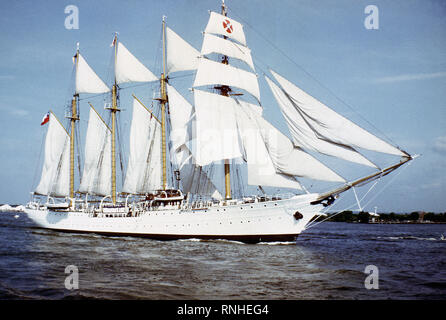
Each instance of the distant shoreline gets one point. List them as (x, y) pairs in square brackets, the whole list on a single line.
[(409, 222), (416, 217), (392, 222)]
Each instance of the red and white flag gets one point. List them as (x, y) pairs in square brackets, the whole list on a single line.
[(114, 42), (45, 119)]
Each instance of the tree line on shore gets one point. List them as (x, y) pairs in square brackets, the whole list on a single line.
[(365, 217)]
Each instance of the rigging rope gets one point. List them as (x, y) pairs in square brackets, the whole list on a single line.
[(118, 136), (169, 154), (393, 178), (79, 154), (351, 206), (311, 76)]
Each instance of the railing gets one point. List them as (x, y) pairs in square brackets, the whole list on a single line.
[(139, 206), (102, 202)]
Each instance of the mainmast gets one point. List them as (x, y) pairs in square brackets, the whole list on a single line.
[(113, 110), (224, 90), (163, 101), (73, 118), (223, 8)]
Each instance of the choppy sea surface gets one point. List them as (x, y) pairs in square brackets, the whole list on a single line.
[(326, 262)]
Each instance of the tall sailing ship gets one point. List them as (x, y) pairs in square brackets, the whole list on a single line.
[(169, 189)]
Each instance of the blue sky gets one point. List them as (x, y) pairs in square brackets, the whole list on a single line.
[(395, 77)]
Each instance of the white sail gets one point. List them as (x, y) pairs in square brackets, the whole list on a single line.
[(61, 186), (303, 136), (261, 169), (222, 25), (151, 178), (55, 172), (180, 111), (258, 110), (265, 175), (144, 166), (87, 81), (216, 128), (129, 69), (211, 73), (193, 178), (96, 175), (330, 125), (287, 159), (180, 55), (292, 160), (214, 44)]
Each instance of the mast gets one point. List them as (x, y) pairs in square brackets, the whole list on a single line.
[(224, 90), (163, 101), (74, 117), (113, 111)]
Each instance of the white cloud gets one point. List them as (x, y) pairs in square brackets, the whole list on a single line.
[(6, 77), (16, 112), (19, 112), (433, 185), (440, 144), (410, 77)]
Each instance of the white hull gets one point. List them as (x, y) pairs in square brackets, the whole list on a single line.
[(248, 222)]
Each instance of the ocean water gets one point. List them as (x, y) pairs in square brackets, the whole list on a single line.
[(326, 262)]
